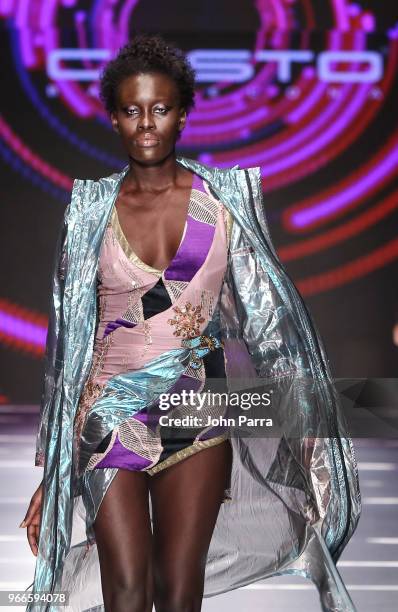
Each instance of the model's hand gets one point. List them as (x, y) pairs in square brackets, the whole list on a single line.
[(32, 519)]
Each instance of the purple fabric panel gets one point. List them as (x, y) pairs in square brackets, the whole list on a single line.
[(193, 251), (112, 325), (121, 457)]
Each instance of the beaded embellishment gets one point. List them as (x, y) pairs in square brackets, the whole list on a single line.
[(187, 320), (201, 346)]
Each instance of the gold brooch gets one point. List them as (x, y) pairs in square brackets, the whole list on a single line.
[(187, 320)]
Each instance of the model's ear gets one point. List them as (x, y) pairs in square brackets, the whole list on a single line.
[(115, 124), (182, 121)]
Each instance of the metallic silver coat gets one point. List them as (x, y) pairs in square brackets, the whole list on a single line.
[(295, 497)]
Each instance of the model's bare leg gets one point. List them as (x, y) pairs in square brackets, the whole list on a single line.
[(124, 540), (186, 499)]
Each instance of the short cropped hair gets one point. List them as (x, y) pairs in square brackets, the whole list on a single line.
[(143, 54)]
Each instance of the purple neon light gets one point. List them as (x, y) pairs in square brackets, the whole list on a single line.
[(341, 13), (368, 22), (71, 93), (333, 130), (354, 10), (22, 23), (296, 141), (235, 124), (114, 36), (335, 203), (17, 328), (23, 151), (224, 103), (280, 14), (282, 18), (237, 106), (271, 153), (6, 7), (227, 107), (335, 43), (48, 15), (283, 106), (272, 168), (305, 108), (124, 19)]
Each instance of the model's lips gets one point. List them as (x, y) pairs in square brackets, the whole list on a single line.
[(147, 141)]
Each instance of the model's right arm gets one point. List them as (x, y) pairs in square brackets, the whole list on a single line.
[(53, 352)]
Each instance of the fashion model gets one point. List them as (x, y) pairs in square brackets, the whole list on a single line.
[(167, 287)]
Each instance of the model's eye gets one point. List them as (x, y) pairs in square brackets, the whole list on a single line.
[(160, 110), (132, 111)]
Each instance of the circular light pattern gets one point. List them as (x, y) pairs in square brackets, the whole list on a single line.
[(285, 105)]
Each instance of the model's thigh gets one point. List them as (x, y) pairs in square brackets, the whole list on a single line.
[(186, 499), (124, 540)]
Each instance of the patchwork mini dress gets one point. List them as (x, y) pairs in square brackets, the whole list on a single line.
[(142, 313)]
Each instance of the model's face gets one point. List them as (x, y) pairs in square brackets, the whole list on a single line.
[(148, 116)]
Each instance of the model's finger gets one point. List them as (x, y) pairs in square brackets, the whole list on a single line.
[(29, 515), (34, 506), (32, 539)]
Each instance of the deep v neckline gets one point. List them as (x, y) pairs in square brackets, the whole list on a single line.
[(129, 251)]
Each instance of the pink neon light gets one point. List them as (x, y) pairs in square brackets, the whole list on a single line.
[(316, 145), (350, 271), (260, 156), (323, 241), (33, 160), (22, 328), (373, 176)]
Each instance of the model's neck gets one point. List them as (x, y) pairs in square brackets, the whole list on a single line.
[(153, 177)]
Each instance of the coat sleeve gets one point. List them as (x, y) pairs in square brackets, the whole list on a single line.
[(53, 356)]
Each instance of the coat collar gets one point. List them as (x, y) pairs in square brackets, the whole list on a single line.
[(227, 184), (218, 178)]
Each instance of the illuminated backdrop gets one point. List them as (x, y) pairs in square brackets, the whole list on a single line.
[(305, 89)]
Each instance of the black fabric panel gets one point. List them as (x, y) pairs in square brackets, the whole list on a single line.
[(214, 364), (172, 442), (103, 445), (156, 300)]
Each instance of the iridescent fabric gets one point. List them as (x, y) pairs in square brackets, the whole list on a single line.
[(295, 499)]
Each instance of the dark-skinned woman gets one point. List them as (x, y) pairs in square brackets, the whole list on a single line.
[(167, 292)]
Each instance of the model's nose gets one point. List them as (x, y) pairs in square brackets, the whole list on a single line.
[(146, 121)]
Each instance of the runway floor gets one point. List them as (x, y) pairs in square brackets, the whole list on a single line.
[(369, 564)]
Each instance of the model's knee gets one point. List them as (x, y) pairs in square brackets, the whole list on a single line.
[(178, 599), (136, 599), (130, 592)]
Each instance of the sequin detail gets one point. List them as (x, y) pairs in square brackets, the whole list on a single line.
[(187, 320)]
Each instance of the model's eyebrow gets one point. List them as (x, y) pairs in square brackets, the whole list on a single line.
[(153, 104), (158, 101)]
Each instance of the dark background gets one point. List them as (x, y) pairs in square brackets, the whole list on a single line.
[(45, 143)]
